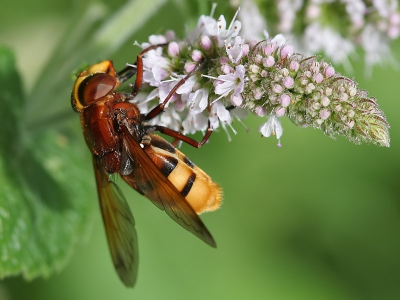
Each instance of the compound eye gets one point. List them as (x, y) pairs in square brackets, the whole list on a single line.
[(95, 87)]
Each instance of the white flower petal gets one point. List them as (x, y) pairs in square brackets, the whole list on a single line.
[(231, 82), (187, 87), (272, 127), (279, 39), (235, 52), (198, 100), (223, 114)]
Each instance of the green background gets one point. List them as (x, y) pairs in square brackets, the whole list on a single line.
[(315, 219)]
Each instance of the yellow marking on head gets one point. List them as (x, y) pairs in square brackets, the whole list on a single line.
[(105, 66)]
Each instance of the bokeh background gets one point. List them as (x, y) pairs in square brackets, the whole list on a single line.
[(315, 219)]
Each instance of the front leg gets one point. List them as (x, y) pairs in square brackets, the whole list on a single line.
[(139, 67), (160, 107)]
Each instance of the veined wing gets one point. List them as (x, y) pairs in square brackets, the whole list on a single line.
[(119, 224), (155, 186)]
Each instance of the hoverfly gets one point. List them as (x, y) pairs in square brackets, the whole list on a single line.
[(122, 143)]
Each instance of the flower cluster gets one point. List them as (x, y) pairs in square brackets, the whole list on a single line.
[(311, 93), (223, 76), (334, 27)]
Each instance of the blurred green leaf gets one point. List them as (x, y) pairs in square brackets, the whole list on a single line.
[(42, 214), (95, 34)]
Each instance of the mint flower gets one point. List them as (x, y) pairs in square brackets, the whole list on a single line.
[(312, 94), (272, 127), (231, 83), (230, 74), (333, 27)]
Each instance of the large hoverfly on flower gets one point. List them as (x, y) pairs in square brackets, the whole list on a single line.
[(123, 143)]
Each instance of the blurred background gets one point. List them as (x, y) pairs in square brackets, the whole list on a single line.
[(315, 219)]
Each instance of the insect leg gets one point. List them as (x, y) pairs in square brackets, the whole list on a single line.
[(139, 68), (126, 73), (181, 137), (160, 107)]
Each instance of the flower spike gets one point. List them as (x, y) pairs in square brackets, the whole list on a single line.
[(264, 77)]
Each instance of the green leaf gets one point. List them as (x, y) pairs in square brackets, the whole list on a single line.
[(43, 212)]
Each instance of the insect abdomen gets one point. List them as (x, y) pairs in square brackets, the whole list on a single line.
[(193, 183)]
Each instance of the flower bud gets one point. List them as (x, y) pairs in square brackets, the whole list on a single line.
[(197, 55), (205, 42)]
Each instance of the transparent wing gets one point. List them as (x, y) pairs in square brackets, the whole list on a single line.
[(119, 224), (149, 180)]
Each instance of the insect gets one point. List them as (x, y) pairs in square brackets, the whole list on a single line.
[(122, 143)]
